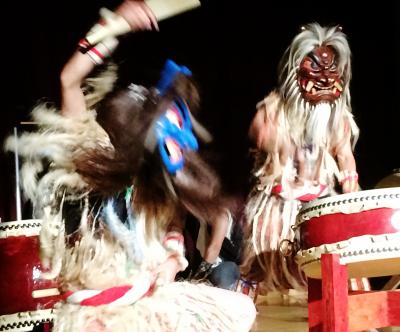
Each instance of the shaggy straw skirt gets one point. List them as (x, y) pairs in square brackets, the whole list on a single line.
[(179, 306), (271, 222)]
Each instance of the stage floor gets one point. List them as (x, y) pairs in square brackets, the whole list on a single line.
[(278, 312), (281, 319)]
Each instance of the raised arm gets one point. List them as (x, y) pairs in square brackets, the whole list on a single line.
[(99, 43)]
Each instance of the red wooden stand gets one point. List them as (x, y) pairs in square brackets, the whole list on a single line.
[(331, 308)]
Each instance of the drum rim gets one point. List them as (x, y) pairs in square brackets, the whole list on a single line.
[(351, 250), (388, 194), (26, 319), (28, 227)]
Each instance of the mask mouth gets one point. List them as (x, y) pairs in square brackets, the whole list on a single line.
[(315, 90)]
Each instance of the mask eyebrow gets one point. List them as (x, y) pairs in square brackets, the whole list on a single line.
[(314, 58)]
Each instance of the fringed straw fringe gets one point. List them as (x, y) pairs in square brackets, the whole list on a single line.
[(271, 222), (176, 307)]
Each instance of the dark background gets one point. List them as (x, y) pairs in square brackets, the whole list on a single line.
[(233, 49)]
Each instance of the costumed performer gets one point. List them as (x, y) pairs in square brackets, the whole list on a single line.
[(116, 268), (305, 134)]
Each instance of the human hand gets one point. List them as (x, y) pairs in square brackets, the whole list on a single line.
[(349, 181), (138, 15), (350, 186), (129, 16)]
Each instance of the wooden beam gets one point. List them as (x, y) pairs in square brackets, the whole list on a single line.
[(374, 310), (334, 294), (314, 304), (393, 283)]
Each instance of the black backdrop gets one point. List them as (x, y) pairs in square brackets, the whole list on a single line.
[(233, 49)]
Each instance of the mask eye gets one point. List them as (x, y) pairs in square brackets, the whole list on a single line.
[(174, 116), (174, 135), (314, 65)]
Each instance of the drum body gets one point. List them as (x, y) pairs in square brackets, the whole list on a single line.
[(26, 297), (362, 227)]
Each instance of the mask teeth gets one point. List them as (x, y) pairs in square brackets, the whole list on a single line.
[(338, 86), (309, 86)]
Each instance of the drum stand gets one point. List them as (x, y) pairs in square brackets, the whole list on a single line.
[(331, 308), (393, 283)]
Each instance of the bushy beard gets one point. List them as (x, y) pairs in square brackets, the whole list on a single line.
[(316, 131)]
